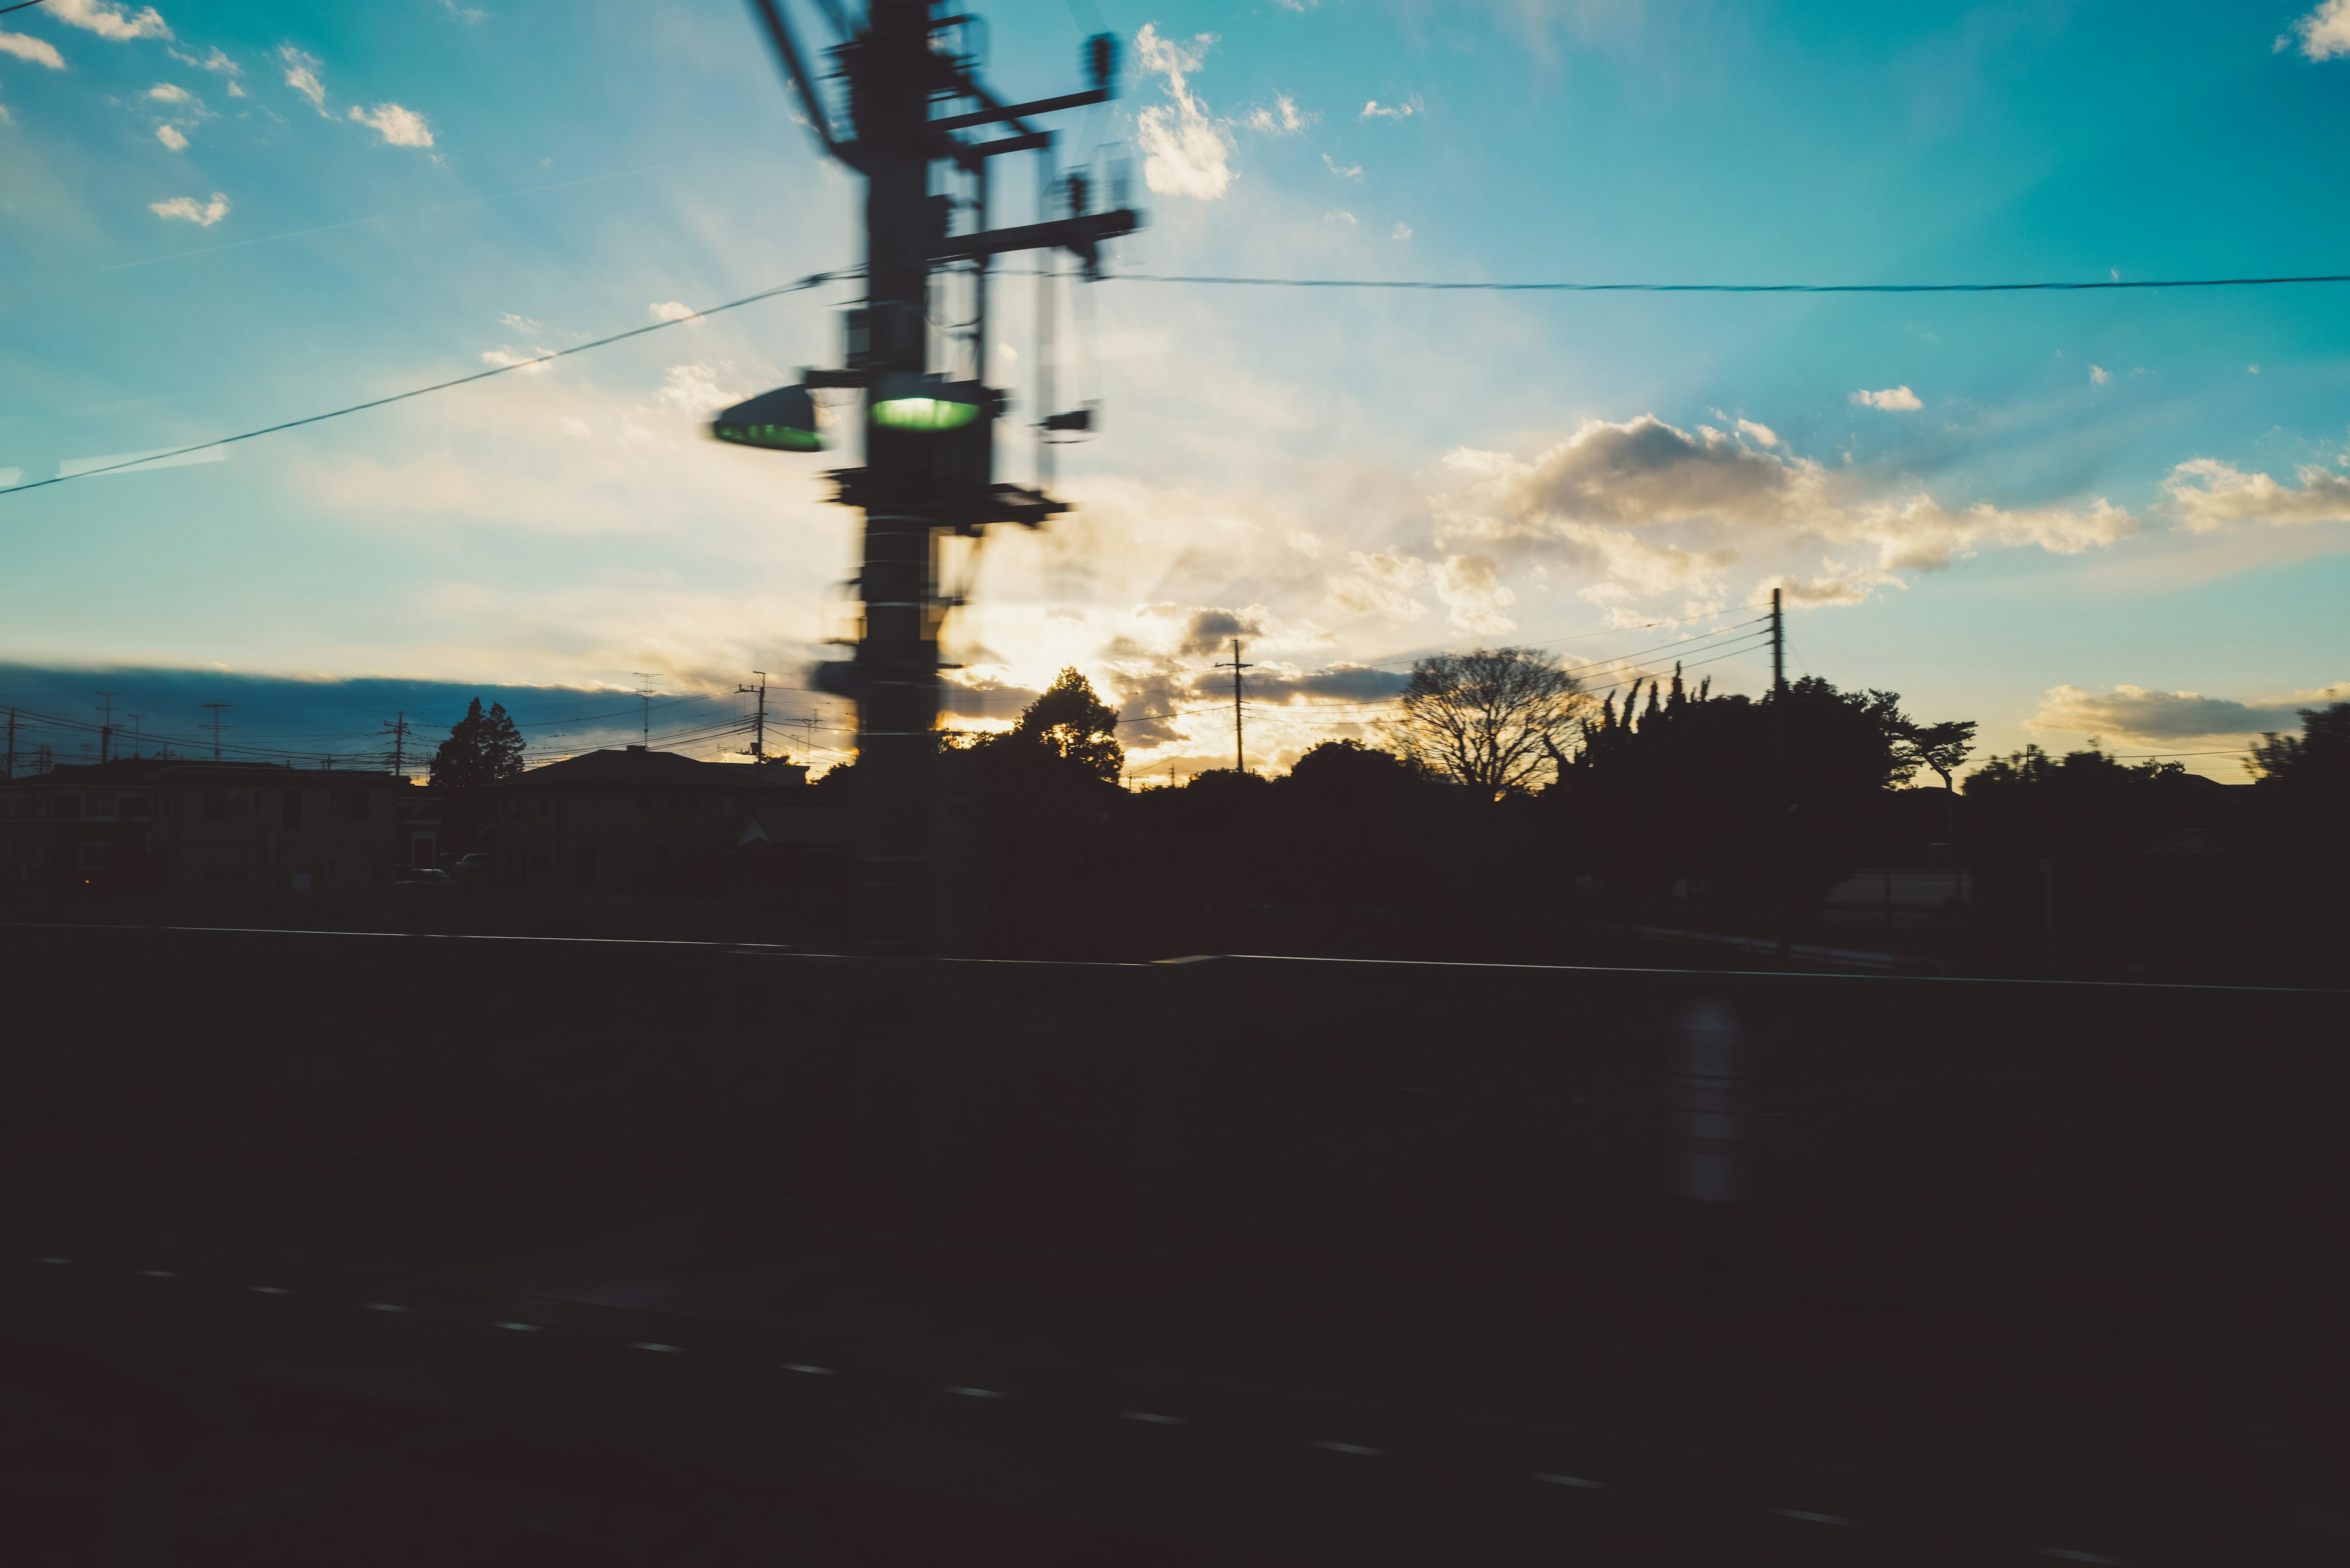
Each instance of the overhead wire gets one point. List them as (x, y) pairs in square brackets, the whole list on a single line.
[(1437, 286)]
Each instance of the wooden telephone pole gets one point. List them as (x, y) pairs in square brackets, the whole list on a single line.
[(1239, 752)]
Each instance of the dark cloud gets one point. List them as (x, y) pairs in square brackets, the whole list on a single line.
[(1341, 683)]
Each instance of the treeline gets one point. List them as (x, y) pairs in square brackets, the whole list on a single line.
[(1502, 815)]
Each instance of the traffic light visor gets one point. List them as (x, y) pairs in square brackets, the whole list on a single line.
[(780, 421)]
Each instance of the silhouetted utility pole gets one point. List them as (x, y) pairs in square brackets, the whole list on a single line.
[(11, 744), (398, 729), (105, 727), (1778, 778), (1240, 754), (758, 722), (216, 709), (646, 691), (913, 92), (135, 720)]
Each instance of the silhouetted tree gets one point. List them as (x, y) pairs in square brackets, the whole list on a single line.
[(1941, 748), (482, 749), (1494, 719), (1073, 724)]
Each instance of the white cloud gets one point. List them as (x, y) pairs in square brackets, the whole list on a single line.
[(1282, 119), (2138, 713), (672, 310), (24, 46), (2325, 32), (302, 76), (1343, 171), (1340, 216), (172, 137), (1405, 110), (519, 322), (1186, 151), (168, 92), (2099, 375), (212, 60), (466, 13), (1646, 508), (399, 126), (7, 118), (534, 362), (1893, 401), (1403, 231), (1470, 588), (109, 20), (1379, 584), (1761, 432), (186, 209), (693, 390), (2206, 494)]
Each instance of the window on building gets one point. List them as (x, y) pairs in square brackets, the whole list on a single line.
[(96, 856), (289, 814), (223, 801), (349, 805)]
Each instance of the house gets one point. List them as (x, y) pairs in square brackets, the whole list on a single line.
[(627, 819), (172, 823)]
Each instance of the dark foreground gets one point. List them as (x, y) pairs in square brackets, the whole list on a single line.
[(298, 1286)]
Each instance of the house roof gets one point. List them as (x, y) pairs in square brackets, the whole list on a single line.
[(124, 773), (665, 770)]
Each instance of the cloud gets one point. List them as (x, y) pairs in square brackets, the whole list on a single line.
[(693, 390), (1402, 231), (7, 118), (212, 60), (1470, 588), (172, 137), (2099, 375), (2325, 32), (519, 322), (1893, 401), (1405, 110), (2138, 713), (1186, 151), (1282, 120), (1644, 507), (24, 46), (109, 20), (1761, 432), (672, 310), (1340, 216), (302, 76), (2206, 495), (186, 209), (168, 92), (1343, 171), (466, 13), (399, 126), (1379, 584), (508, 358)]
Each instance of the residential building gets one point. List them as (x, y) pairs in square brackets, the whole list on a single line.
[(634, 818)]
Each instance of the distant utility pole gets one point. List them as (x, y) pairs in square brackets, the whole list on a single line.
[(216, 709), (12, 743), (759, 724), (646, 691), (134, 719), (398, 729), (105, 727), (806, 722), (1779, 777), (1240, 754)]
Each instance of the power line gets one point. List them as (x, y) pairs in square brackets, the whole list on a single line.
[(811, 281), (1427, 285)]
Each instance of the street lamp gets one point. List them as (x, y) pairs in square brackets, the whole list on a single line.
[(903, 400), (780, 421)]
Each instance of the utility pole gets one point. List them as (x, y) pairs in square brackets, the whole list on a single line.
[(645, 691), (1239, 755), (398, 729), (11, 744), (913, 93), (759, 720), (216, 709), (1778, 778), (105, 727), (135, 718)]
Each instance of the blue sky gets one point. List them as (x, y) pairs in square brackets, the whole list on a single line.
[(2057, 514)]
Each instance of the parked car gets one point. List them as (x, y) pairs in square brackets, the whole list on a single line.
[(478, 866)]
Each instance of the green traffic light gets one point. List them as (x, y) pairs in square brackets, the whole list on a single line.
[(778, 438), (924, 413)]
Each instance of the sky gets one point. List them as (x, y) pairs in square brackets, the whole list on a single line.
[(2121, 514)]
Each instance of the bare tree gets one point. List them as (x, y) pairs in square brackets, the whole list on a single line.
[(1496, 719)]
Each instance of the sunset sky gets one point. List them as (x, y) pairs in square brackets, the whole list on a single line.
[(2120, 513)]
